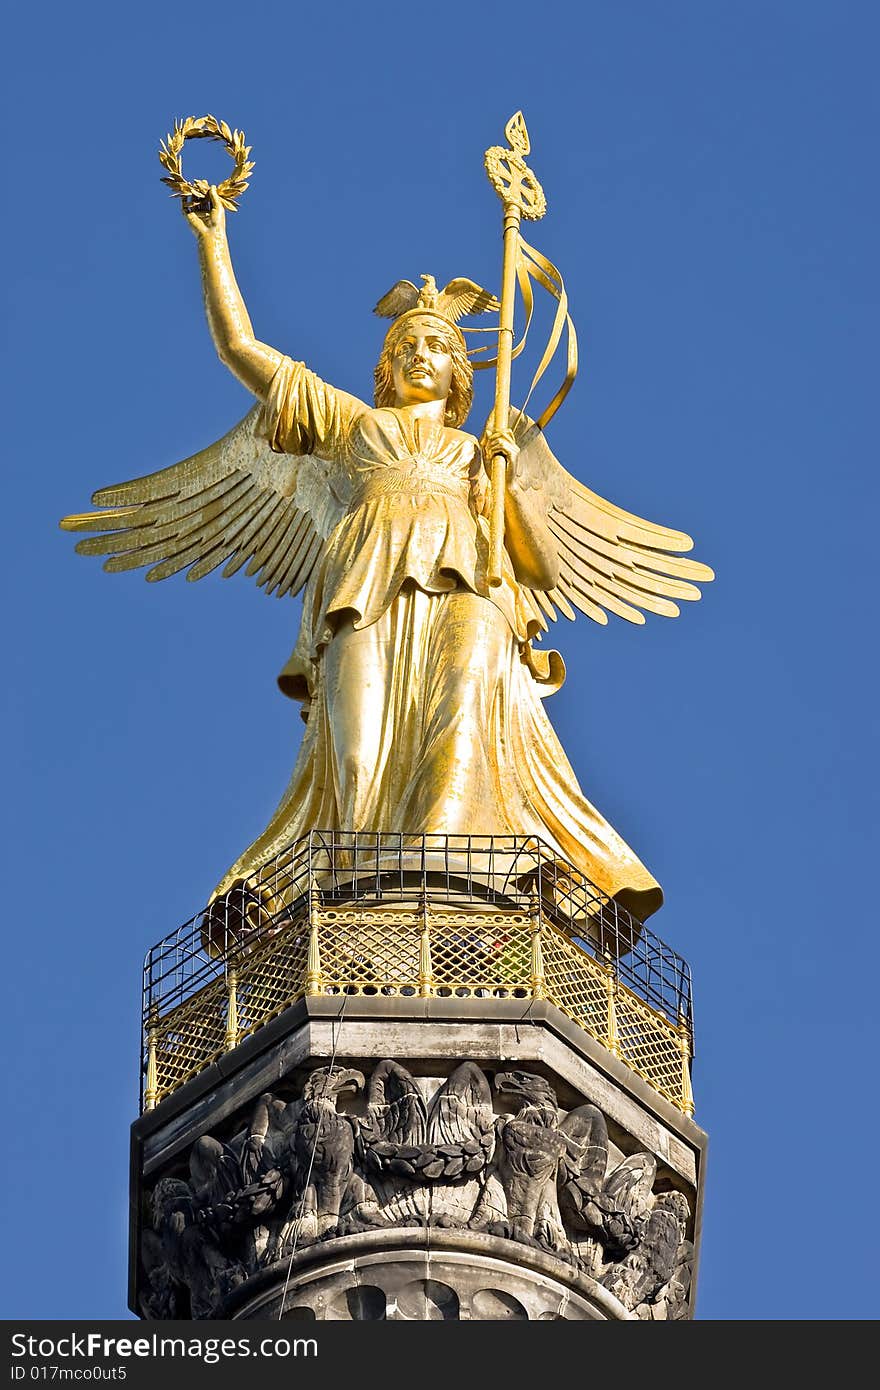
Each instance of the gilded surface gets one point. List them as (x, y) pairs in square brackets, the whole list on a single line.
[(358, 951), (421, 688)]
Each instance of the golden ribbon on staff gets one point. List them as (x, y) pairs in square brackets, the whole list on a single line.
[(521, 196)]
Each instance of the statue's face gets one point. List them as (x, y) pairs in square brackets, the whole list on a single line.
[(421, 362)]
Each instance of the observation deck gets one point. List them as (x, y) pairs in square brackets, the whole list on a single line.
[(424, 916)]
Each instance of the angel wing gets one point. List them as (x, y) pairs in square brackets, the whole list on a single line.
[(585, 1161), (462, 297), (396, 1112), (461, 1111), (610, 561), (402, 296), (629, 1186), (236, 503)]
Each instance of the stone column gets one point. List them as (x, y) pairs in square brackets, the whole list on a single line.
[(416, 1158)]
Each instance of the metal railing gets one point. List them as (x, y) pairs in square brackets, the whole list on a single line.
[(417, 915)]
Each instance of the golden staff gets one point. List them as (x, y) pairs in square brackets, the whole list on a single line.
[(521, 196)]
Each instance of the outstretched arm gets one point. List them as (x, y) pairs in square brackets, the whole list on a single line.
[(254, 363)]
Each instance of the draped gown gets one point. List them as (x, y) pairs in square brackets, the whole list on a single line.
[(422, 694)]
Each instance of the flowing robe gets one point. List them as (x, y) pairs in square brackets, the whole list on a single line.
[(424, 714)]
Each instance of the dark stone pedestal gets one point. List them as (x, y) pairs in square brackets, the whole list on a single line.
[(416, 1158)]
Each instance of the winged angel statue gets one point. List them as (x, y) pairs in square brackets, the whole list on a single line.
[(420, 685)]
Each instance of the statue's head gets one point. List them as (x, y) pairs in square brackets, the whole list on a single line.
[(424, 358)]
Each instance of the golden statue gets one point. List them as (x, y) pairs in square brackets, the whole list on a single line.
[(430, 561)]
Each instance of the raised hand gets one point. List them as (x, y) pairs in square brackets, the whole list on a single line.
[(208, 222)]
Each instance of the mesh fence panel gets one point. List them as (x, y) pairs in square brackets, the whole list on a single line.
[(485, 951), (272, 979), (576, 983), (191, 1037), (362, 950), (650, 1046), (370, 900)]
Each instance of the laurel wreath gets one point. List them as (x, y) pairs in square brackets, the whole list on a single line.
[(195, 194), (427, 1162)]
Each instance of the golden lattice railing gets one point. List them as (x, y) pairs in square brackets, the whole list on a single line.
[(415, 915)]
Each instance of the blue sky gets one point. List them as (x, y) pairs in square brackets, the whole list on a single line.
[(711, 176)]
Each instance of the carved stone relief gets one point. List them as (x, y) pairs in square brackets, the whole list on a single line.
[(509, 1163)]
